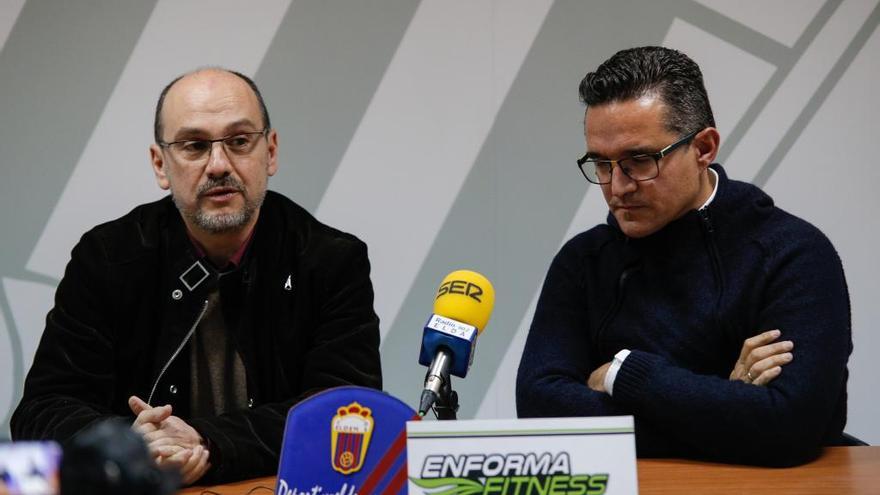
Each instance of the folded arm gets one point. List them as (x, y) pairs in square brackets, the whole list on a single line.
[(680, 412), (551, 380), (783, 423)]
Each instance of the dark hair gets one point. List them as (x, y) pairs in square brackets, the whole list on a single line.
[(637, 72), (157, 119)]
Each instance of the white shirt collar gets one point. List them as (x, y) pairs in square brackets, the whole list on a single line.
[(714, 190)]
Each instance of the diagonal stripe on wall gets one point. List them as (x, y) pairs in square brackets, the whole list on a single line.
[(776, 19), (318, 77), (831, 31), (57, 70), (8, 15), (818, 97), (421, 134)]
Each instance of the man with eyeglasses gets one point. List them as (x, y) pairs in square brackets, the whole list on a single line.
[(718, 320), (206, 315)]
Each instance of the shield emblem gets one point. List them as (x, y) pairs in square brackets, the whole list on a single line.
[(351, 429)]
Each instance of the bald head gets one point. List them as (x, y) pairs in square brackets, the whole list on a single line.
[(190, 80), (218, 193)]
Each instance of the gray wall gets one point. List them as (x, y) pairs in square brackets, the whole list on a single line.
[(443, 133)]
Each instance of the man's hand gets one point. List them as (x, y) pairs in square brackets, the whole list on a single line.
[(761, 360), (596, 381), (170, 439), (148, 418)]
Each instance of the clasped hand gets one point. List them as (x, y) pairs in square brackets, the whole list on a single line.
[(170, 440)]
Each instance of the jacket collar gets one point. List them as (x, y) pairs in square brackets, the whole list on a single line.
[(185, 262)]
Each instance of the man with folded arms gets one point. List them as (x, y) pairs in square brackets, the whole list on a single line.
[(721, 322)]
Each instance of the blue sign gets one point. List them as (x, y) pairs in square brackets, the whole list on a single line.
[(345, 441)]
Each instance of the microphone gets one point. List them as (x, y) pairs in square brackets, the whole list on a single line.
[(109, 458), (462, 308)]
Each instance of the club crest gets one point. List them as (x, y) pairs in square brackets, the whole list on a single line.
[(351, 429)]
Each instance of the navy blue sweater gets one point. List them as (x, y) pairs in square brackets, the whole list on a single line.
[(683, 300)]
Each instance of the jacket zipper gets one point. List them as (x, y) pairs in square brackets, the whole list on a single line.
[(707, 222), (716, 262), (177, 351), (621, 282)]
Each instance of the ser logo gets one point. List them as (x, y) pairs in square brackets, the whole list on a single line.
[(502, 474), (462, 287)]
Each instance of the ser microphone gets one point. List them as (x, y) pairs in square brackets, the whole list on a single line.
[(462, 308)]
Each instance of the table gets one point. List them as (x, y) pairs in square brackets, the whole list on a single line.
[(846, 470)]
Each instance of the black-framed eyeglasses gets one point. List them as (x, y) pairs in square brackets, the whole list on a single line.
[(637, 167), (198, 151)]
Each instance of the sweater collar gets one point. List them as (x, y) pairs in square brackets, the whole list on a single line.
[(735, 204)]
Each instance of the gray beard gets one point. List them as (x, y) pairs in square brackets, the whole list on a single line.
[(219, 223)]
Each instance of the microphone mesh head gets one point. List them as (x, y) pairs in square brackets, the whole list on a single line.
[(465, 296)]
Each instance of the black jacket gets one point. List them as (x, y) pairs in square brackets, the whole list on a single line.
[(131, 294), (683, 300)]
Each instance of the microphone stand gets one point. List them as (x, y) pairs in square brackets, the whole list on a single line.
[(446, 405), (438, 394)]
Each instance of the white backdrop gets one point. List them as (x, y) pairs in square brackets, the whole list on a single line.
[(443, 133)]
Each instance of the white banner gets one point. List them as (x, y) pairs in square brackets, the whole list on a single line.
[(574, 456)]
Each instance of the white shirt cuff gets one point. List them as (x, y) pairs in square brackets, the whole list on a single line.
[(616, 363)]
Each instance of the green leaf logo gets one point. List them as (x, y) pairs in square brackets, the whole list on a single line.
[(449, 486)]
